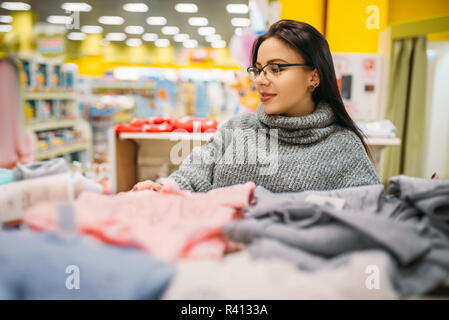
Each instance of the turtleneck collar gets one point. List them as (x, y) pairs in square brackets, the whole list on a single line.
[(307, 129)]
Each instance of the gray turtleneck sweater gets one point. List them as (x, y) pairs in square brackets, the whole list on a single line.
[(282, 154)]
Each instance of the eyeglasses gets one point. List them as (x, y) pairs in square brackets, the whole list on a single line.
[(273, 70)]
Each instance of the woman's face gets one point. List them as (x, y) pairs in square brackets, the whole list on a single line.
[(284, 93)]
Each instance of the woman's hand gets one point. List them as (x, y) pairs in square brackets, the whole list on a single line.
[(147, 185)]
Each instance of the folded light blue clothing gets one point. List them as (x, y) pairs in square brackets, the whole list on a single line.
[(38, 265), (6, 176)]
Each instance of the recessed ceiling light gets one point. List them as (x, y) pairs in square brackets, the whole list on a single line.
[(156, 21), (5, 19), (133, 42), (76, 36), (240, 22), (5, 28), (114, 20), (76, 6), (238, 31), (186, 7), (135, 7), (181, 37), (170, 30), (16, 6), (190, 44), (59, 19), (237, 8), (149, 37), (205, 31), (134, 29), (198, 21), (219, 44), (162, 43), (116, 36), (92, 29), (213, 37)]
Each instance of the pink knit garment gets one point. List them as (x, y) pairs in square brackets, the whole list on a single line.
[(16, 145), (169, 224)]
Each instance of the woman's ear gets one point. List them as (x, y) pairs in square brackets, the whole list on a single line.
[(315, 77)]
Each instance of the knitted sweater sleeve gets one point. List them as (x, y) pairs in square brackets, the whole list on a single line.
[(196, 171), (354, 166)]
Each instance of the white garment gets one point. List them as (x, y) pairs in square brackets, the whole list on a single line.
[(238, 276)]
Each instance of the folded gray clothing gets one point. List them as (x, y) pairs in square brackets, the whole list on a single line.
[(269, 248), (434, 204), (357, 198), (347, 232), (402, 185), (40, 169)]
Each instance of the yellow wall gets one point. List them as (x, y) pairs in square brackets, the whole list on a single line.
[(310, 11), (409, 10), (350, 28)]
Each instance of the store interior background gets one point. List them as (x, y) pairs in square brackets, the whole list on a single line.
[(76, 86)]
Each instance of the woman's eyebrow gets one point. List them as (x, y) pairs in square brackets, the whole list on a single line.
[(272, 60)]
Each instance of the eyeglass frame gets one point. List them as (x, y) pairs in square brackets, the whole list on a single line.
[(280, 65)]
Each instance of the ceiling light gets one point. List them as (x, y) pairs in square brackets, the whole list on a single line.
[(133, 42), (134, 29), (149, 37), (92, 29), (213, 37), (162, 43), (170, 30), (186, 7), (198, 21), (181, 37), (116, 36), (156, 21), (205, 31), (238, 31), (5, 28), (240, 22), (16, 6), (237, 8), (76, 36), (5, 19), (219, 44), (135, 7), (190, 44), (59, 19), (76, 6), (111, 20)]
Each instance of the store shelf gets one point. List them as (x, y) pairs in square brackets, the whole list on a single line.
[(62, 150), (173, 136), (49, 95), (374, 141), (124, 85), (51, 125)]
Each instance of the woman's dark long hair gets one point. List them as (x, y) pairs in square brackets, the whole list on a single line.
[(314, 49)]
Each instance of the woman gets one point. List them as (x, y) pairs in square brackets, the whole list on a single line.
[(316, 145)]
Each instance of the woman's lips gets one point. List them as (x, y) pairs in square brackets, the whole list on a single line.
[(264, 97)]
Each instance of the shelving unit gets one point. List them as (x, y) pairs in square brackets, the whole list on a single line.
[(54, 90)]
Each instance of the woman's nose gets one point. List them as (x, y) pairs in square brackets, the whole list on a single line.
[(262, 79)]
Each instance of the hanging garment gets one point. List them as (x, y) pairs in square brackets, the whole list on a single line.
[(44, 266), (16, 145), (169, 224)]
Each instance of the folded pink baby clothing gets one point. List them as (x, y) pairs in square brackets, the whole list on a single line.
[(169, 224)]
